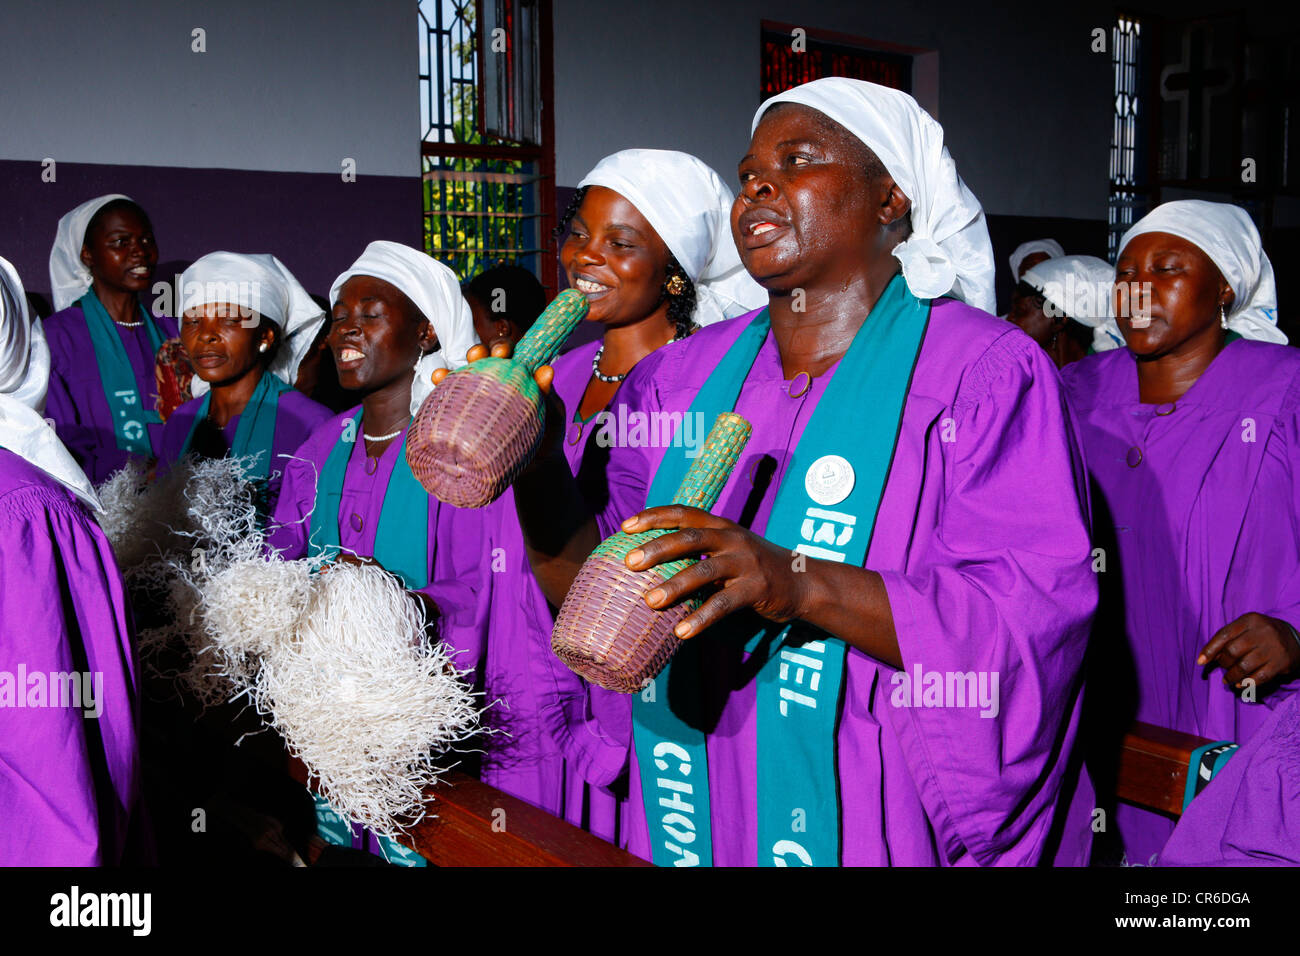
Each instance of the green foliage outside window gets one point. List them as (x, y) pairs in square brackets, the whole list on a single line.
[(456, 230)]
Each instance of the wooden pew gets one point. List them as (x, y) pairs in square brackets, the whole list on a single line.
[(478, 825), (1152, 770), (1152, 773)]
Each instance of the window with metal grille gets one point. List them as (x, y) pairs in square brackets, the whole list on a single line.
[(487, 161), (1129, 196)]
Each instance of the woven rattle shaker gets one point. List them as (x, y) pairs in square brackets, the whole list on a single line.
[(605, 631), (478, 429)]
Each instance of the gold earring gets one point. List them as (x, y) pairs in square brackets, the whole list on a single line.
[(676, 285)]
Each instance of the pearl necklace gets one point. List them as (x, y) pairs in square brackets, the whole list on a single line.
[(131, 325), (379, 438), (614, 379)]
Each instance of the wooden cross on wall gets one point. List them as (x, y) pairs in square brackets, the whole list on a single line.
[(1191, 84)]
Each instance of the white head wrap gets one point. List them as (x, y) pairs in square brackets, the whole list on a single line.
[(1027, 249), (689, 206), (24, 376), (949, 252), (69, 277), (434, 290), (1226, 234), (259, 282), (1080, 287)]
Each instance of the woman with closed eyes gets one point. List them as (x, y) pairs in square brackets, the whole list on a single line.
[(1192, 438)]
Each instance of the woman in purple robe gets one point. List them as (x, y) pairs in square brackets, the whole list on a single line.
[(922, 706), (348, 491), (246, 323), (69, 764), (103, 340), (649, 243), (380, 334), (1192, 440)]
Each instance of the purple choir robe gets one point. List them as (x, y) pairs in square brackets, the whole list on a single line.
[(458, 558), (982, 542), (76, 401), (519, 756), (1249, 814), (1200, 502), (69, 781), (296, 417), (553, 716)]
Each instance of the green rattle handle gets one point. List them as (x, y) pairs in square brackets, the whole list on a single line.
[(699, 489), (709, 472), (543, 340)]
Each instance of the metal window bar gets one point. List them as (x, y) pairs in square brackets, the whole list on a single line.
[(511, 80), (481, 212), (448, 70), (1127, 203), (481, 195)]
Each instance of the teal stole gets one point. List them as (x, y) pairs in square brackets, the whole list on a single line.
[(402, 547), (255, 433), (117, 378), (402, 538), (844, 457), (334, 828)]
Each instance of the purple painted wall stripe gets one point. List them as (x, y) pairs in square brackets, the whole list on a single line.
[(314, 222)]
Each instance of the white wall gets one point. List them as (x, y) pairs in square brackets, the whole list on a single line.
[(297, 85), (1024, 102), (284, 86)]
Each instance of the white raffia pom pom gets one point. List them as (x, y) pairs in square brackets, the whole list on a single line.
[(129, 516), (169, 537), (361, 697), (338, 663), (200, 503), (220, 510), (253, 606)]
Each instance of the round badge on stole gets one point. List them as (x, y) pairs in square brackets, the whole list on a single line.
[(829, 480)]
